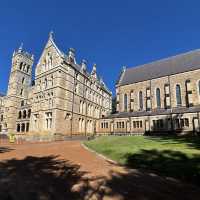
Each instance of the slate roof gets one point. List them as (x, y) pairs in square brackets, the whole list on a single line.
[(178, 110), (173, 65)]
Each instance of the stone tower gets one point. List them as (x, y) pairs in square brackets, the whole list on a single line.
[(21, 72), (18, 87)]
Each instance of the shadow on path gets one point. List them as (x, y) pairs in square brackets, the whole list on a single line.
[(5, 149), (50, 178), (38, 178)]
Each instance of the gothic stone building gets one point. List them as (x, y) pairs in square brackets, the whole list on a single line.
[(159, 97), (63, 99)]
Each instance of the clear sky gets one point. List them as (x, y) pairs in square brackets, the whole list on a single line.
[(110, 33)]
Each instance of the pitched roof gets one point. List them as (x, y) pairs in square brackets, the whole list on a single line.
[(2, 95), (173, 65)]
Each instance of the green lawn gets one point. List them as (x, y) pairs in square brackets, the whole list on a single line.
[(170, 156)]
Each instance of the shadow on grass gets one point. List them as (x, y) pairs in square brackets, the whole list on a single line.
[(190, 141), (168, 163), (142, 185), (50, 178)]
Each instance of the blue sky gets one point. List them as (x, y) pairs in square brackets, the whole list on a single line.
[(110, 33)]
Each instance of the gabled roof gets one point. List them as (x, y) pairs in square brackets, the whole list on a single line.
[(75, 65), (173, 65)]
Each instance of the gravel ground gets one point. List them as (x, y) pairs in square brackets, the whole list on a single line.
[(65, 170)]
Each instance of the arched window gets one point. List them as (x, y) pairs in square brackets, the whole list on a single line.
[(21, 92), (140, 100), (158, 101), (24, 114), (23, 79), (178, 95), (27, 69), (18, 127), (125, 102), (23, 127), (22, 103), (19, 115), (27, 127), (29, 113), (52, 80), (46, 82), (21, 65)]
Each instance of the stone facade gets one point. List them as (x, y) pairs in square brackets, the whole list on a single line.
[(62, 99), (161, 104)]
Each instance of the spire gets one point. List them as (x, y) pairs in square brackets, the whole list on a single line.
[(21, 46), (94, 71), (83, 65), (71, 55), (21, 51), (51, 35), (123, 68), (101, 81)]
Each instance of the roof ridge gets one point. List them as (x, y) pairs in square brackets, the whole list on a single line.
[(164, 59)]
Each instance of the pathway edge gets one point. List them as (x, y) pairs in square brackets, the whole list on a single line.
[(99, 155)]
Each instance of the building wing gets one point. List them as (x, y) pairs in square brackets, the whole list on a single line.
[(169, 66)]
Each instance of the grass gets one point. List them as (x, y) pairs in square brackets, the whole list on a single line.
[(177, 157)]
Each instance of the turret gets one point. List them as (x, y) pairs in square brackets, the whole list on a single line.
[(94, 71), (71, 55), (84, 65)]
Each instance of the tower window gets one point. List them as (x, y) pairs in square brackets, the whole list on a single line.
[(22, 103), (27, 127), (21, 65), (23, 80), (23, 127), (19, 115), (21, 92), (24, 67), (18, 127), (24, 114), (29, 113), (46, 82), (28, 67)]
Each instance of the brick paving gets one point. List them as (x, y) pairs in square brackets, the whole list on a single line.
[(65, 170)]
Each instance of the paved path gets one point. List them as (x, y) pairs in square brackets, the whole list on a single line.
[(65, 170)]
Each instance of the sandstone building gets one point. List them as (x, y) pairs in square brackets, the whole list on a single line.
[(159, 97), (64, 97)]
